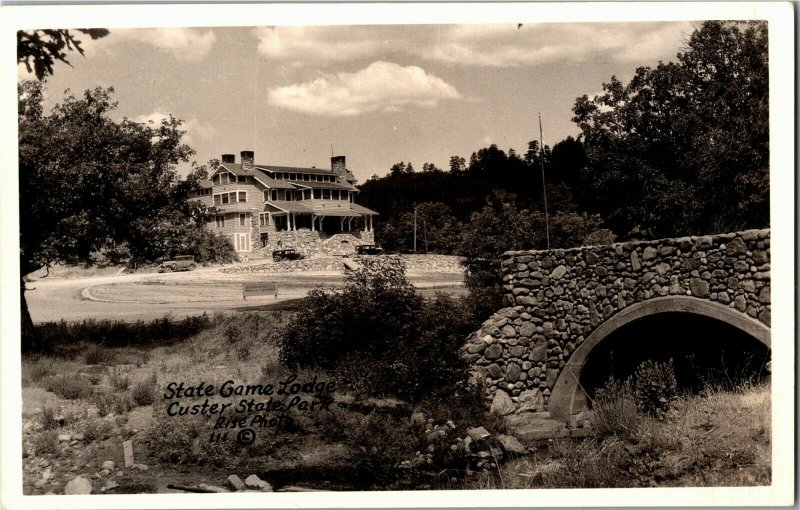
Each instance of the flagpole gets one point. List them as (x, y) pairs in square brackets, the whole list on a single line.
[(544, 187)]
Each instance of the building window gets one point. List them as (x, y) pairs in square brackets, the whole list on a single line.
[(220, 219), (274, 194), (263, 219), (242, 219), (317, 193), (326, 194), (230, 197), (292, 177), (244, 242), (307, 194), (306, 177)]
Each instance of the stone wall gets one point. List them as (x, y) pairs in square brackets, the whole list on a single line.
[(316, 244), (555, 299)]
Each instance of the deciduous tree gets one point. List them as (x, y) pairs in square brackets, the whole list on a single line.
[(683, 148)]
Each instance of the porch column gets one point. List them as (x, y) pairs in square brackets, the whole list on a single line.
[(370, 223), (313, 220), (349, 223), (341, 225)]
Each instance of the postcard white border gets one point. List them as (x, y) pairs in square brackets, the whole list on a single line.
[(782, 136)]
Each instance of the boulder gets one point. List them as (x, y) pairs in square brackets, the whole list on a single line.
[(236, 483), (78, 485), (109, 464), (699, 287), (512, 372), (531, 401), (558, 273), (494, 351), (254, 482), (512, 445), (477, 433), (501, 404)]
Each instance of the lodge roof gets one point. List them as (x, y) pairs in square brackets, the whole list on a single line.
[(324, 185), (321, 208)]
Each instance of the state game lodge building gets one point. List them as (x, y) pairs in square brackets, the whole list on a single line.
[(262, 208)]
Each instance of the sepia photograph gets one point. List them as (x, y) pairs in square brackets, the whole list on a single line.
[(399, 253)]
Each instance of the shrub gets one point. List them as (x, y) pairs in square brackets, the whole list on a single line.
[(99, 355), (614, 410), (655, 388), (41, 369), (144, 393), (96, 429), (103, 401), (69, 386), (45, 442), (122, 403), (48, 418), (377, 334), (243, 351), (232, 333), (118, 333), (118, 381)]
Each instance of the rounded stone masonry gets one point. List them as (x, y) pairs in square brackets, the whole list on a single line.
[(555, 299)]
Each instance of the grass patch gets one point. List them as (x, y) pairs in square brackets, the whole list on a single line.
[(718, 438), (118, 333), (99, 355), (45, 442), (68, 386), (144, 392)]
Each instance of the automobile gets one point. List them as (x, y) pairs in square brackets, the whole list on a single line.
[(285, 254), (180, 263), (368, 249)]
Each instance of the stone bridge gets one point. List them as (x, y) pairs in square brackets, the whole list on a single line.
[(562, 304)]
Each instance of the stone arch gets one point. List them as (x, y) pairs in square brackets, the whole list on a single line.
[(563, 395)]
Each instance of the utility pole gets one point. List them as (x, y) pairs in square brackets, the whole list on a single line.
[(544, 186), (415, 229)]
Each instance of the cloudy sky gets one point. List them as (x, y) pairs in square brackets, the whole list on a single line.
[(377, 94)]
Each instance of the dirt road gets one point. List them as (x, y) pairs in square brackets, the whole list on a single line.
[(152, 295)]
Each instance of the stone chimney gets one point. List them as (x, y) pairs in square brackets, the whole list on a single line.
[(228, 158), (248, 161), (339, 167)]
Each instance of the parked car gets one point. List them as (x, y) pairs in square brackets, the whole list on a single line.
[(180, 263), (285, 254), (368, 249)]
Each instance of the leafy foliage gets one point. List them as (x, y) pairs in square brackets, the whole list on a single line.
[(683, 148), (88, 182), (119, 333), (40, 49), (377, 334), (655, 388)]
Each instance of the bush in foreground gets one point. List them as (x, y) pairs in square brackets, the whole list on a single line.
[(377, 334)]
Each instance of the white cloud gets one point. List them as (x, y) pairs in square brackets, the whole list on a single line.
[(195, 129), (478, 45), (311, 43), (381, 86), (183, 43)]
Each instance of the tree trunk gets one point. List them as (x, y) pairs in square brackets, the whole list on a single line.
[(29, 339)]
